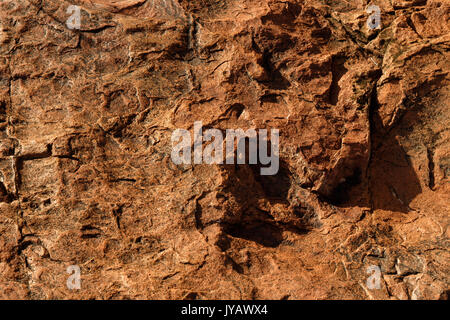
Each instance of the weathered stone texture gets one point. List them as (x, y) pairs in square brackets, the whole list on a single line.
[(86, 178)]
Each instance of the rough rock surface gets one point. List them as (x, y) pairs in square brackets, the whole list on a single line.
[(85, 142)]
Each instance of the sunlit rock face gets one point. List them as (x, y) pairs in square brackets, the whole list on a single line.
[(91, 92)]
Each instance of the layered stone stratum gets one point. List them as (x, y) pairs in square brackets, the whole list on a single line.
[(86, 176)]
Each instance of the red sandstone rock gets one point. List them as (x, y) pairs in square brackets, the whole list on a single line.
[(87, 178)]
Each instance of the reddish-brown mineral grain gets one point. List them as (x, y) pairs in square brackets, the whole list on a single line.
[(86, 176)]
